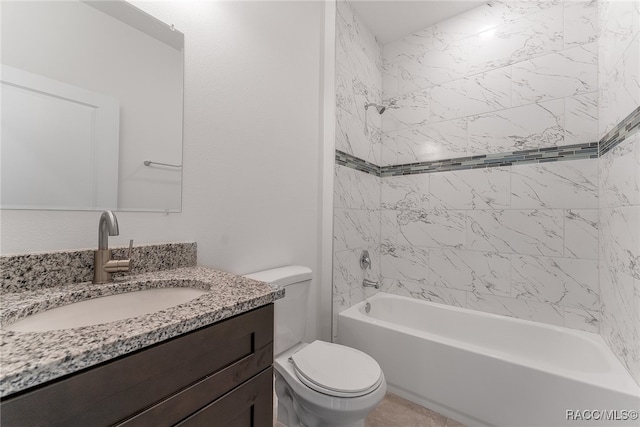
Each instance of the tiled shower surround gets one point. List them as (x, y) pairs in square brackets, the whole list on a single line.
[(519, 240), (555, 238)]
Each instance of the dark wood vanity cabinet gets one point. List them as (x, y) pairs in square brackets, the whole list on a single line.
[(219, 375)]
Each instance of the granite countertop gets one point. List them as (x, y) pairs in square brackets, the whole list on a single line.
[(31, 358)]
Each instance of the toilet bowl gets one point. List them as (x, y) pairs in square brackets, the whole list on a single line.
[(321, 401), (321, 383)]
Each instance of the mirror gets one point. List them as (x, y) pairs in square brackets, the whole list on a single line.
[(92, 102)]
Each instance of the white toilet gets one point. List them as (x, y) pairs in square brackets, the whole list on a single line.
[(317, 384)]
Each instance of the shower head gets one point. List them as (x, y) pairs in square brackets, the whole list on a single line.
[(379, 108)]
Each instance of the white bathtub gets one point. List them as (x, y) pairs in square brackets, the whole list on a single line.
[(489, 370)]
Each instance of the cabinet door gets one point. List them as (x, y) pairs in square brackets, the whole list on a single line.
[(250, 404)]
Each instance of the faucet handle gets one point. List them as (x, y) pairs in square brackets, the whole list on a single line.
[(365, 260), (119, 265)]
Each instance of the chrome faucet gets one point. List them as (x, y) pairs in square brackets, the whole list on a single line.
[(365, 262), (103, 265)]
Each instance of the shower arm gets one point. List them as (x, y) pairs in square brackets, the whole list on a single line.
[(379, 108)]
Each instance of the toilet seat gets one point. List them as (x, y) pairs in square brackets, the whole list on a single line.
[(336, 370)]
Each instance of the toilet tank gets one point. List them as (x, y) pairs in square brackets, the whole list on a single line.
[(290, 312)]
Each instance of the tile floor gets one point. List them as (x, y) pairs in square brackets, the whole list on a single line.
[(395, 411)]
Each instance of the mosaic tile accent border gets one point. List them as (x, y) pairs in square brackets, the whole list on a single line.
[(538, 155), (624, 129), (353, 162)]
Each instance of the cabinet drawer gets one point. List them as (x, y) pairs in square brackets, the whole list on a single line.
[(119, 389), (251, 404), (173, 409)]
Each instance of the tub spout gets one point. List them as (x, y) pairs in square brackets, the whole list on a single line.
[(370, 284)]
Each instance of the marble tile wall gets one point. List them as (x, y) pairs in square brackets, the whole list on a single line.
[(356, 227), (520, 241), (356, 194), (619, 56), (619, 182), (358, 81), (506, 76)]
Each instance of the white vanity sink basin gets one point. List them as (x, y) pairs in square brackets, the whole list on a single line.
[(105, 309)]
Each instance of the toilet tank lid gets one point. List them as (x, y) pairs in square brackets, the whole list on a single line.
[(283, 276)]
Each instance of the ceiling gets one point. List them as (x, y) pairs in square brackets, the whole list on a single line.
[(390, 20)]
